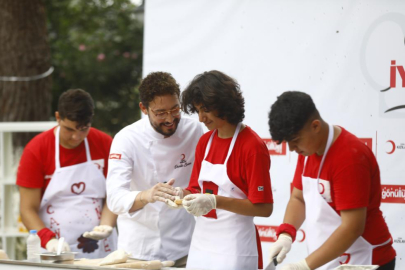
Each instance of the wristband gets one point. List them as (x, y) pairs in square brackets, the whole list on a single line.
[(287, 228), (45, 235)]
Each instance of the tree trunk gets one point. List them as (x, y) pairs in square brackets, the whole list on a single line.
[(24, 52)]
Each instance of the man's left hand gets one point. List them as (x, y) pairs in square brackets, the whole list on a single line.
[(301, 265), (99, 232)]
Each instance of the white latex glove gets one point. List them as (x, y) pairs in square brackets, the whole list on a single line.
[(99, 232), (301, 265), (281, 247), (52, 246), (159, 192), (199, 204)]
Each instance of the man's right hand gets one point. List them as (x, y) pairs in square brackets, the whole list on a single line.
[(281, 247), (52, 246), (179, 192), (159, 192)]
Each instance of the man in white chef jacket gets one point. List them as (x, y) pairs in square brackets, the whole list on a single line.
[(146, 158)]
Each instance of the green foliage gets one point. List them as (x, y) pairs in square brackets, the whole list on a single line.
[(96, 45)]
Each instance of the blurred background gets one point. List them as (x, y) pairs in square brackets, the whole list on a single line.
[(95, 45), (46, 48)]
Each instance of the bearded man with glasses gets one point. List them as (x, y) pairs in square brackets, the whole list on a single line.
[(146, 159)]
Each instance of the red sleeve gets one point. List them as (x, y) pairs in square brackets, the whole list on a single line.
[(30, 170), (297, 181), (193, 185), (101, 144), (108, 142), (258, 177), (351, 187)]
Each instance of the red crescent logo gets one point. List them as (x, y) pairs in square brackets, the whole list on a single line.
[(323, 188), (49, 211), (183, 156), (393, 147), (348, 256), (78, 188)]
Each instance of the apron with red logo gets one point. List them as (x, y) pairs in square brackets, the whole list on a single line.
[(321, 221), (72, 205), (222, 239)]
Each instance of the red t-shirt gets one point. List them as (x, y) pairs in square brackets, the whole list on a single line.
[(352, 173), (37, 163), (248, 166)]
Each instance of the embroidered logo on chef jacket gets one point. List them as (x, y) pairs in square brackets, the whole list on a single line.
[(183, 162), (115, 156), (324, 190)]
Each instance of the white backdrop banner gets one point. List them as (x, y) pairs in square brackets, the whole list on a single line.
[(348, 55)]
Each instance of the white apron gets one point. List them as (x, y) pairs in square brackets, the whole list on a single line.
[(72, 204), (228, 241), (321, 221)]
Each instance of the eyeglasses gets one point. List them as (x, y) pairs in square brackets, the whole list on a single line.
[(165, 114)]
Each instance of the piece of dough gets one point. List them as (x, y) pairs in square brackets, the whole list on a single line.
[(118, 256), (3, 255), (140, 265), (167, 263)]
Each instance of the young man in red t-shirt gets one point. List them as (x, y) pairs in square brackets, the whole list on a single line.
[(53, 159), (337, 191), (230, 181)]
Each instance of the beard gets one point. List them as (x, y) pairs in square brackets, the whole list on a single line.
[(161, 128)]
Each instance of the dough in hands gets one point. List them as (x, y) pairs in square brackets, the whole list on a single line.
[(178, 201)]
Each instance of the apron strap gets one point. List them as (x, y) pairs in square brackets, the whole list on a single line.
[(383, 244), (233, 142), (207, 149), (57, 160), (235, 135), (328, 144), (86, 144)]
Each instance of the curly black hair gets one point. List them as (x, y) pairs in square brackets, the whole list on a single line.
[(157, 84), (289, 114), (217, 92), (77, 106)]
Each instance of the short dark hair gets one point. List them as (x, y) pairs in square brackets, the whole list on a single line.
[(289, 114), (157, 84), (76, 105), (217, 92)]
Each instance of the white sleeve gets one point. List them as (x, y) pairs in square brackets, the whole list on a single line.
[(120, 198)]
